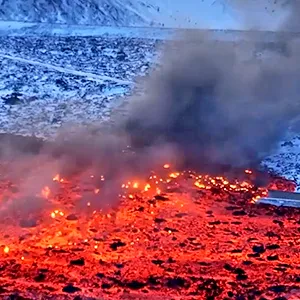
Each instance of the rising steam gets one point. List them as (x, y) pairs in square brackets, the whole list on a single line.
[(209, 105)]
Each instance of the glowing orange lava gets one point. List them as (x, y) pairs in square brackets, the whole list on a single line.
[(176, 234)]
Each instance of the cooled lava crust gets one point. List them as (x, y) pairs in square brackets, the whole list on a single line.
[(178, 236)]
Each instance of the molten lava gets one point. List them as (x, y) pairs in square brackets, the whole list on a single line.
[(183, 235)]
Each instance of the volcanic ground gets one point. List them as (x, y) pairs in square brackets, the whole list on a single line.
[(168, 236)]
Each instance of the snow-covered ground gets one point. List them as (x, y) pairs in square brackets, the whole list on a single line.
[(50, 81)]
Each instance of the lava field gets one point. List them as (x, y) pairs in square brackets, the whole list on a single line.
[(172, 236)]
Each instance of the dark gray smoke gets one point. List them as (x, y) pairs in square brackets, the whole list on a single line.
[(216, 107)]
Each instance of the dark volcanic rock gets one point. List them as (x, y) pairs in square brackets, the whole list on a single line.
[(72, 217), (40, 277), (161, 198), (71, 289), (272, 247), (278, 288), (176, 282), (258, 249), (135, 285), (239, 213), (77, 262), (13, 99), (241, 277), (272, 257), (228, 267), (106, 285), (159, 220), (100, 275), (152, 280), (157, 261), (115, 245)]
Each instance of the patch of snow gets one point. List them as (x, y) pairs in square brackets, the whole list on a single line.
[(286, 159)]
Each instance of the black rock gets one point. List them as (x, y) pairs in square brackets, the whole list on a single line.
[(239, 213), (236, 251), (271, 234), (241, 277), (258, 249), (115, 245), (16, 296), (215, 222), (135, 285), (159, 220), (176, 282), (236, 223), (228, 267), (71, 289), (153, 280), (239, 271), (161, 198), (71, 217), (272, 257), (171, 260), (157, 261), (40, 277), (230, 294), (106, 285), (77, 262), (240, 297), (277, 288), (100, 275), (272, 247), (247, 262), (13, 99), (121, 55), (255, 255), (62, 83)]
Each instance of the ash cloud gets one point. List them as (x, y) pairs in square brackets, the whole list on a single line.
[(216, 107), (209, 106)]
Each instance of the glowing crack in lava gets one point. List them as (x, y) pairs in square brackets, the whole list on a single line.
[(176, 234)]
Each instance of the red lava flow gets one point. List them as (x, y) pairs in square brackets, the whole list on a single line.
[(173, 236)]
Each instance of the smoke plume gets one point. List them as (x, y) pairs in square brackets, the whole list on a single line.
[(208, 105)]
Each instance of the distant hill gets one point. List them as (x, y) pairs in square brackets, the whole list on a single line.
[(213, 14)]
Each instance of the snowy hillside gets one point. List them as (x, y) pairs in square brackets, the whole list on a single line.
[(104, 12), (214, 14)]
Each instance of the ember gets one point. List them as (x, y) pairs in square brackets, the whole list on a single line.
[(176, 234)]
